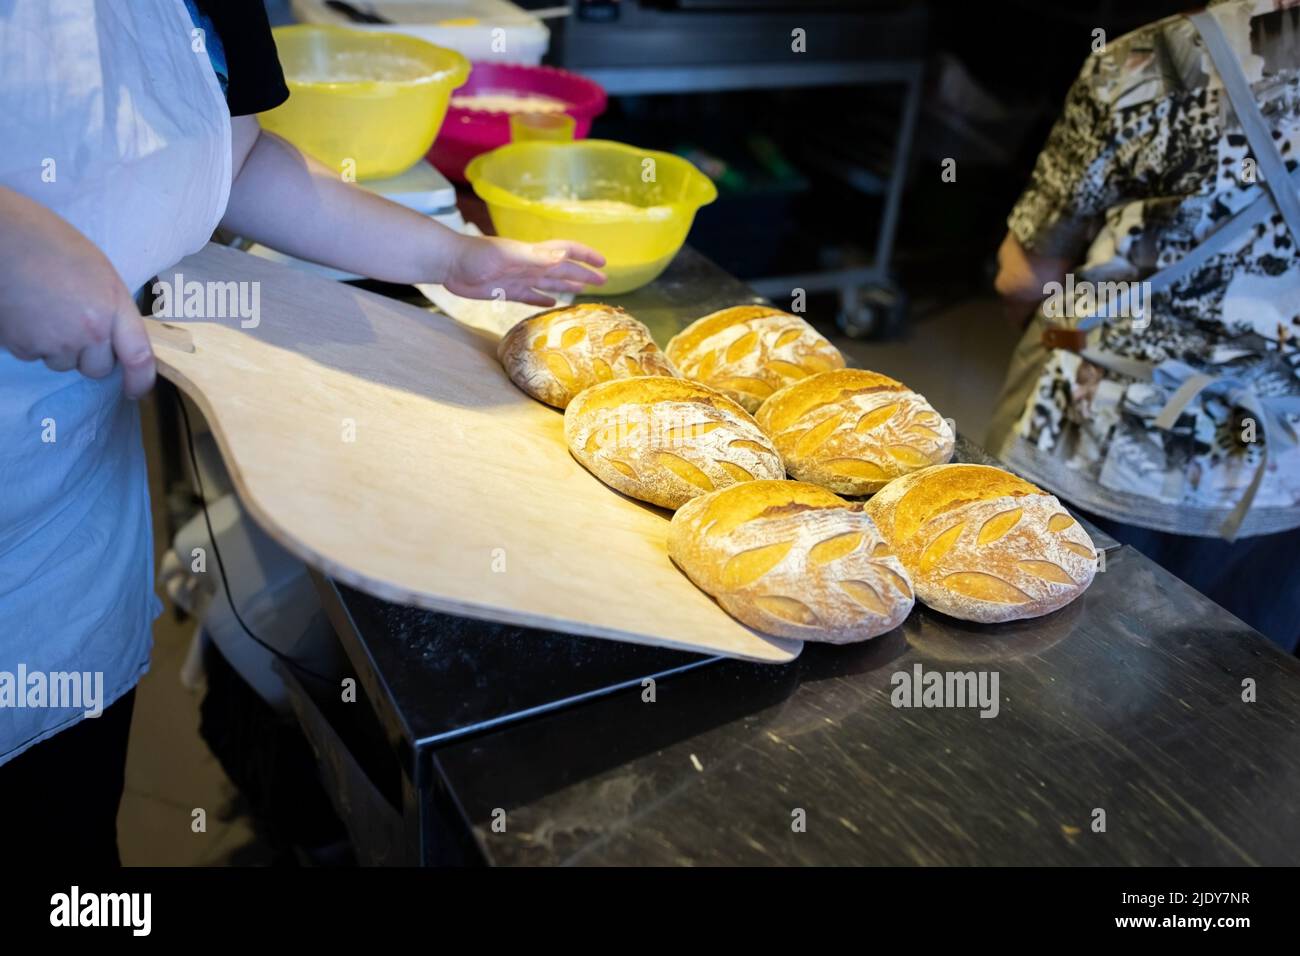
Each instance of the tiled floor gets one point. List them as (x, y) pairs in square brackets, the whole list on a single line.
[(956, 357)]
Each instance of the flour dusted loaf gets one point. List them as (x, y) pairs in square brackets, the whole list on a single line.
[(983, 545), (852, 431), (666, 440), (791, 559), (555, 355), (747, 352)]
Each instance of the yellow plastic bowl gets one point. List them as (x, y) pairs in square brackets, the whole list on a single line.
[(635, 206), (377, 99)]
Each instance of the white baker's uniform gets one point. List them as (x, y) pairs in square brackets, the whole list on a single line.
[(110, 118)]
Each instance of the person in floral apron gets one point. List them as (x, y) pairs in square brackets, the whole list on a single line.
[(1169, 413)]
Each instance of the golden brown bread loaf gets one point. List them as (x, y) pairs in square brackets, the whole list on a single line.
[(852, 430), (791, 559), (666, 440), (555, 355), (747, 352), (981, 544)]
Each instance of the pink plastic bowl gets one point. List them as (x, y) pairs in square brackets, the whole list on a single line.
[(468, 132)]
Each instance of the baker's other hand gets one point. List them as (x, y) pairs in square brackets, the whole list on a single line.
[(1023, 278), (63, 303), (485, 267)]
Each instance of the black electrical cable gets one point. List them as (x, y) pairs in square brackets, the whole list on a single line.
[(221, 567)]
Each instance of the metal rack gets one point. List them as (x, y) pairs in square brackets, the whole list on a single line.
[(694, 47)]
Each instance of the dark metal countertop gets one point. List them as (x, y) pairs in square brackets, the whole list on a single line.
[(1128, 701)]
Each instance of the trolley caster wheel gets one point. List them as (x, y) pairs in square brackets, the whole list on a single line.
[(876, 312)]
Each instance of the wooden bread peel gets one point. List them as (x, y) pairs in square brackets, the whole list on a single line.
[(384, 445)]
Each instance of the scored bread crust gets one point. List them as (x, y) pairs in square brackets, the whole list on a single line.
[(853, 431), (793, 560), (555, 355), (666, 440), (982, 544), (747, 352)]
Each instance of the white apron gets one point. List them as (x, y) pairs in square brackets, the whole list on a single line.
[(111, 119)]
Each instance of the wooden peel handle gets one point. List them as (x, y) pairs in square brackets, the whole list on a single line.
[(169, 335)]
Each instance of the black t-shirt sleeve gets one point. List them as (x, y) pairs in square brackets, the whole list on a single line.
[(256, 81)]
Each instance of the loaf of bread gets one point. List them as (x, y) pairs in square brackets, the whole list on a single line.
[(981, 544), (666, 440), (793, 560), (852, 431), (555, 355), (747, 352)]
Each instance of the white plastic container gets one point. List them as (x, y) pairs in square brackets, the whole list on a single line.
[(492, 30)]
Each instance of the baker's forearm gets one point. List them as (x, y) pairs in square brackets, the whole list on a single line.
[(294, 204), (301, 207)]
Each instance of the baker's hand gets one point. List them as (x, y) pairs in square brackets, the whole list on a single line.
[(488, 268), (63, 303), (1023, 277)]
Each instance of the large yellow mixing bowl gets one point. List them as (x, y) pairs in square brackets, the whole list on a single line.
[(633, 205), (377, 99)]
